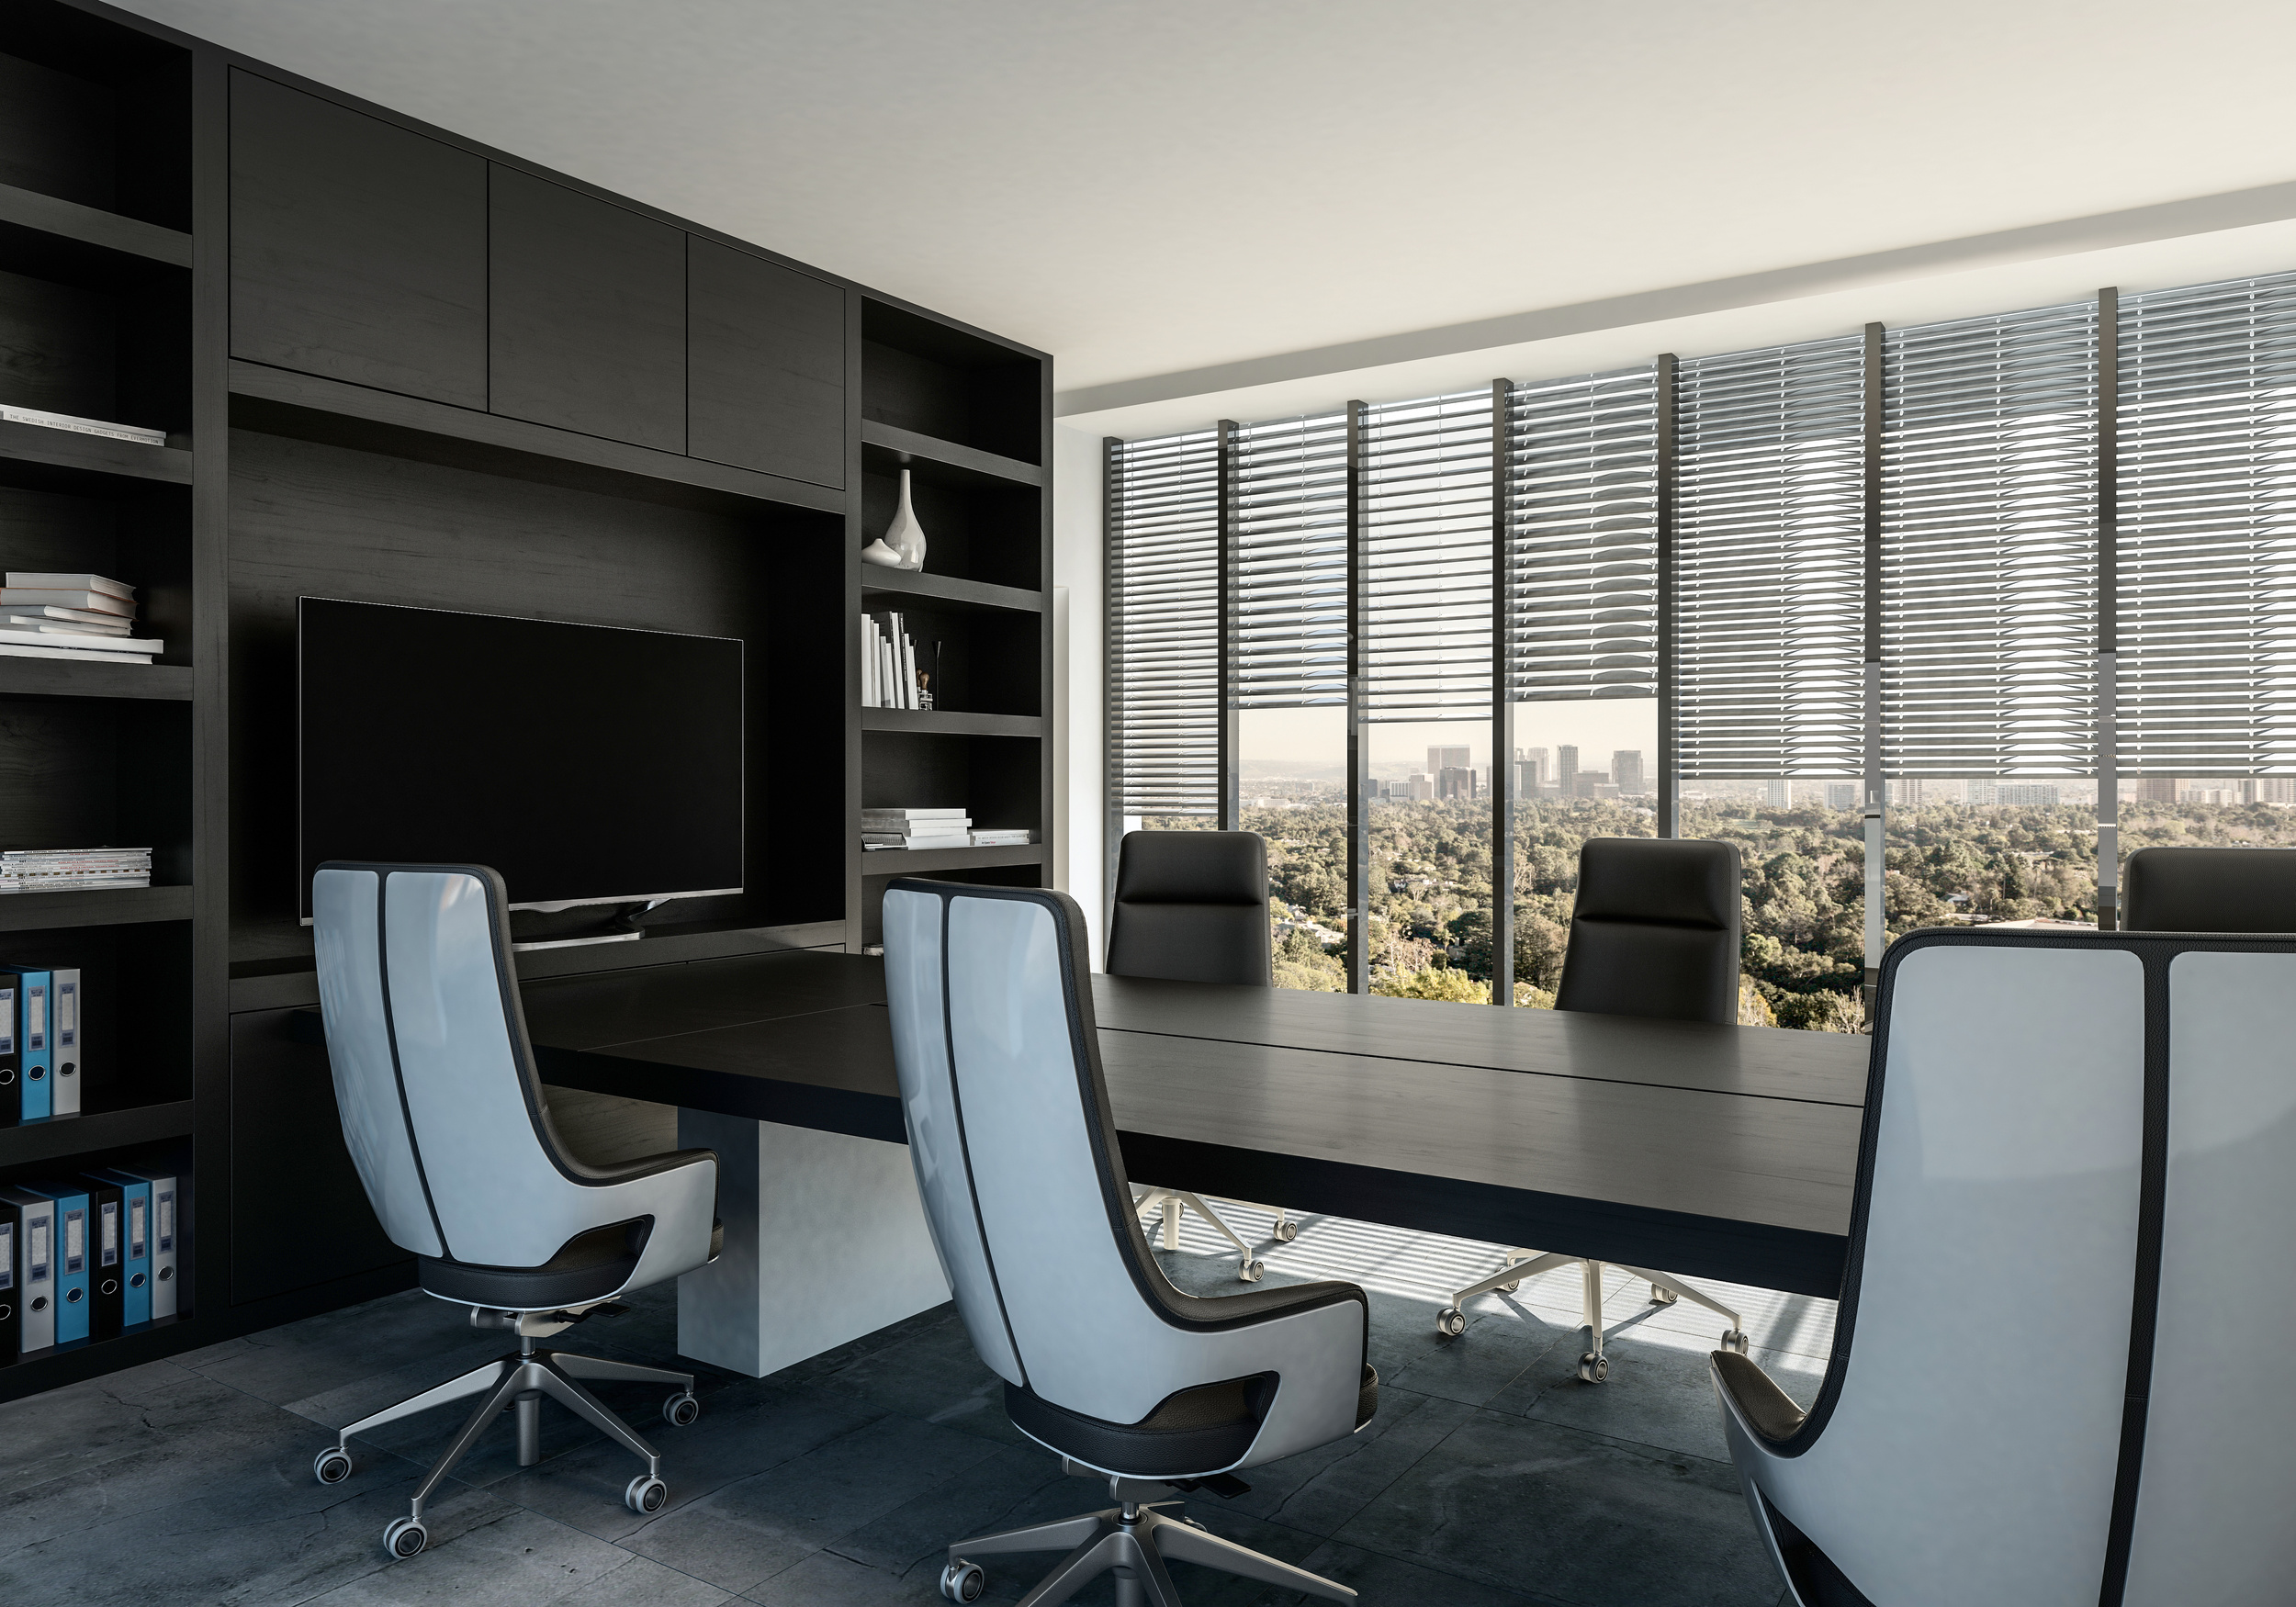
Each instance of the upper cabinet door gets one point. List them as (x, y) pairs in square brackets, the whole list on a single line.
[(589, 305), (358, 248), (765, 366)]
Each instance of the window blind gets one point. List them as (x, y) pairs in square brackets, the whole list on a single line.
[(1770, 562), (1426, 554), (1989, 546), (1289, 556), (1581, 533), (2207, 548), (1164, 625)]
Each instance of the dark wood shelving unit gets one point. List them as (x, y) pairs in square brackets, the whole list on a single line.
[(396, 366), (93, 906), (61, 1138), (882, 588), (84, 678), (950, 724)]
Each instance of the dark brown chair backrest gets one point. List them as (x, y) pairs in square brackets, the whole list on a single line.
[(1654, 930), (1192, 907), (2210, 890)]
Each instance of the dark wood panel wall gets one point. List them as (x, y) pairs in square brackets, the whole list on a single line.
[(397, 366)]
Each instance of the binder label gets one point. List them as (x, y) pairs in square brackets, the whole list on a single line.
[(135, 1228), (36, 1251), (7, 1021), (107, 1245), (74, 1241), (35, 1019), (7, 1255), (67, 1014), (167, 1222)]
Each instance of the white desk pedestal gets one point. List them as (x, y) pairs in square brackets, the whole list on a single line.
[(824, 1241)]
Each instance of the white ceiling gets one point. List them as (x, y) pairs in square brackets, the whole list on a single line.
[(1153, 189)]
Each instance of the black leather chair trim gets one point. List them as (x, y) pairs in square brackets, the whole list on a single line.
[(1192, 907), (1817, 1581), (1654, 930), (588, 1266), (2208, 890), (1210, 1426)]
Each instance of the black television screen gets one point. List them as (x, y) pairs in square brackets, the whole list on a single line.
[(588, 764)]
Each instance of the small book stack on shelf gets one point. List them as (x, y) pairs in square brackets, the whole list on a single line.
[(102, 427), (1008, 837), (894, 674), (72, 616), (916, 828), (65, 870)]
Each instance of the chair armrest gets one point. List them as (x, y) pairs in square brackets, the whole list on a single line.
[(1770, 1409)]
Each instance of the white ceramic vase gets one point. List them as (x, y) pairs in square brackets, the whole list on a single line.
[(904, 540)]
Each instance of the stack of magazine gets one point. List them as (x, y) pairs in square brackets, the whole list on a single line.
[(916, 828), (60, 869), (79, 426), (92, 617)]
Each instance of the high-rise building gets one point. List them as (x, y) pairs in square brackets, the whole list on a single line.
[(1779, 793), (1625, 768), (1841, 795), (2028, 794), (1566, 770), (1591, 784), (1531, 771), (2158, 789), (1421, 786), (2269, 790), (1455, 780), (1446, 758)]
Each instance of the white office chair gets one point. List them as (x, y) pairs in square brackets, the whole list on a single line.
[(1654, 931), (1192, 907), (1104, 1362), (446, 1120), (2046, 1380)]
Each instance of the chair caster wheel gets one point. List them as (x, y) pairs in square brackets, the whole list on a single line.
[(1593, 1369), (1510, 1289), (1659, 1297), (1286, 1230), (680, 1409), (1736, 1340), (332, 1465), (1250, 1271), (962, 1581), (645, 1495), (406, 1538), (1450, 1323)]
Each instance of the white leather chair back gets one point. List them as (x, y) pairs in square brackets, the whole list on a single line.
[(1016, 1156)]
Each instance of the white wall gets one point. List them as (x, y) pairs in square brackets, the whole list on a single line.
[(1078, 616)]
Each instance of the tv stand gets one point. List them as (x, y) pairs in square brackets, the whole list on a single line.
[(517, 948)]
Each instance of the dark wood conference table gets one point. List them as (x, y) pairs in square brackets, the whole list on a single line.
[(1723, 1152)]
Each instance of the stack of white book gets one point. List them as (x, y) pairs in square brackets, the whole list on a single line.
[(72, 616), (57, 869), (80, 426), (916, 828), (894, 674), (1003, 837)]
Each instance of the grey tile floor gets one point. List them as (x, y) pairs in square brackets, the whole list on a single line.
[(1491, 1475)]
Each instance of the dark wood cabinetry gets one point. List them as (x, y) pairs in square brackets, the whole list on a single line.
[(586, 315), (765, 366), (358, 248), (398, 366)]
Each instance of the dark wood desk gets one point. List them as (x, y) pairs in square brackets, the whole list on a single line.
[(1711, 1151)]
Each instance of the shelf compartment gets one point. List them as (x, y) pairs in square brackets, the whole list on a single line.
[(939, 861), (59, 1138), (134, 1050), (94, 112), (886, 449), (53, 238), (83, 677), (946, 723), (93, 906), (332, 412), (932, 379), (904, 588), (70, 461)]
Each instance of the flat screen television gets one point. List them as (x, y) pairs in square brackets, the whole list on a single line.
[(588, 764)]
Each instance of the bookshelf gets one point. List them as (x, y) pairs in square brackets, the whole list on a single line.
[(297, 287)]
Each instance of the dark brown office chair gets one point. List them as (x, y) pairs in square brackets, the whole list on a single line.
[(1192, 907), (2210, 890), (1654, 931)]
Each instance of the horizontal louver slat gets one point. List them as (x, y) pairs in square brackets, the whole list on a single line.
[(2207, 530), (1989, 546), (1426, 555), (1770, 562), (1581, 534), (1164, 625), (1289, 510)]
